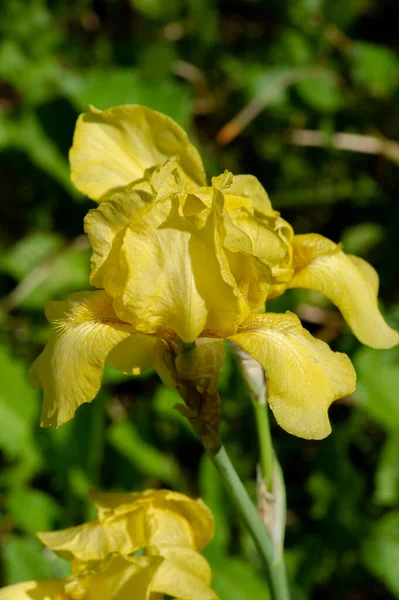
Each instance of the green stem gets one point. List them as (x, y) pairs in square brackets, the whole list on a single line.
[(266, 458), (241, 500)]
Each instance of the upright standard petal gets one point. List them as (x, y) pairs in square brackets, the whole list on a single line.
[(175, 280), (303, 375), (349, 282), (69, 369), (114, 147)]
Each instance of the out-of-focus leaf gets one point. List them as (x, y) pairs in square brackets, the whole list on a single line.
[(213, 494), (111, 375), (294, 47), (125, 438), (105, 88), (378, 385), (28, 252), (69, 271), (204, 17), (381, 551), (24, 558), (27, 134), (321, 92), (158, 9), (387, 476), (341, 12), (236, 579), (19, 409), (375, 67), (164, 401), (361, 238), (32, 510)]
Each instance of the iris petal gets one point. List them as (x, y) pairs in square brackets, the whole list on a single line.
[(303, 375), (69, 369), (349, 282), (114, 147)]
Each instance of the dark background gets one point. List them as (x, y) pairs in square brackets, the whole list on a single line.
[(302, 71)]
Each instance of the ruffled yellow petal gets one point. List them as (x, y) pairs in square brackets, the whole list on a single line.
[(129, 522), (106, 225), (90, 541), (197, 514), (116, 578), (247, 186), (114, 147), (303, 375), (179, 582), (35, 590), (175, 276), (349, 282), (69, 369)]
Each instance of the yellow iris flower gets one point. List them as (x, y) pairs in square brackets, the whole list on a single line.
[(176, 259), (167, 527)]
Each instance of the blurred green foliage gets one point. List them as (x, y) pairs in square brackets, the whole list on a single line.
[(285, 68)]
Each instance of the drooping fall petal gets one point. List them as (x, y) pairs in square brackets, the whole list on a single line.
[(349, 282), (70, 367), (35, 590), (303, 375), (114, 147)]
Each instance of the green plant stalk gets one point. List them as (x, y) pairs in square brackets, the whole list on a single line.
[(241, 500), (266, 453)]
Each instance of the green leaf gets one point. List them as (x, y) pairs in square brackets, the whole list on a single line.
[(235, 579), (375, 67), (27, 134), (28, 252), (25, 558), (19, 408), (106, 88), (32, 510), (125, 438), (164, 402), (321, 92), (158, 9), (387, 475), (378, 384), (381, 551), (67, 272), (361, 238), (204, 16), (214, 496)]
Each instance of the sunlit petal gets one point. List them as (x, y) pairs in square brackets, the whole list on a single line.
[(114, 147), (106, 225), (199, 516), (246, 186), (179, 582), (69, 369), (130, 521), (349, 282), (303, 375), (175, 277), (116, 578), (52, 589)]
